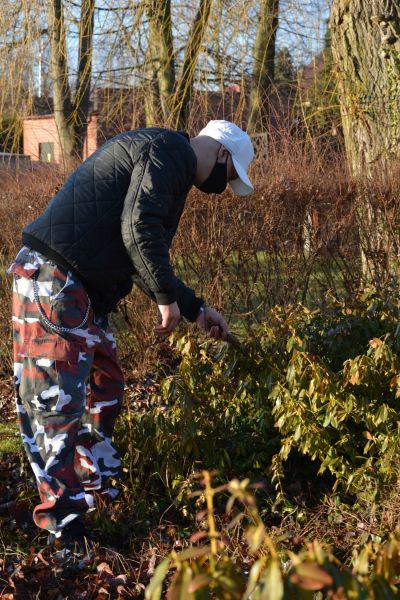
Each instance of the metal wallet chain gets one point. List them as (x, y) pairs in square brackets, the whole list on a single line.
[(53, 326)]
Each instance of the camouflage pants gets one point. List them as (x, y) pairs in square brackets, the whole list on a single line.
[(69, 390)]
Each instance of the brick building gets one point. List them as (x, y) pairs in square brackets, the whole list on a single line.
[(115, 110), (41, 140)]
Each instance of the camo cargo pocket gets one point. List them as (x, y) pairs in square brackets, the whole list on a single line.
[(54, 370), (46, 347)]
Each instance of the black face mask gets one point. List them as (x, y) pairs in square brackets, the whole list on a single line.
[(217, 179)]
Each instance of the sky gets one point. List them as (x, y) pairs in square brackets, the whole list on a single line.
[(302, 27)]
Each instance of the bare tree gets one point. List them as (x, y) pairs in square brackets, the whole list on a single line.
[(167, 52), (20, 28), (71, 112), (186, 81), (170, 95), (162, 58), (264, 65)]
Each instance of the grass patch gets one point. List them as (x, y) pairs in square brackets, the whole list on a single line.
[(10, 441)]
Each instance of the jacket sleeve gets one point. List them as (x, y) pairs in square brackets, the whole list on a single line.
[(189, 304), (160, 180)]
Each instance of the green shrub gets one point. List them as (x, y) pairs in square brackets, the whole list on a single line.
[(324, 382), (211, 413), (339, 399), (211, 569)]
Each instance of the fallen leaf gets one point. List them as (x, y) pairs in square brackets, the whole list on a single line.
[(104, 571), (310, 576)]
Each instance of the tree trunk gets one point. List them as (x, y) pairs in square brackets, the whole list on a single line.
[(152, 100), (162, 54), (184, 90), (366, 51), (83, 84), (71, 115), (59, 72), (366, 47), (264, 66)]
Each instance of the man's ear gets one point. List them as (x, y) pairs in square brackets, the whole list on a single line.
[(222, 153)]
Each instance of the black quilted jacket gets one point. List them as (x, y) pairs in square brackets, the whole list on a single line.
[(113, 221)]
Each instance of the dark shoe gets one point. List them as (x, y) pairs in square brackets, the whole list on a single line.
[(73, 533), (72, 547)]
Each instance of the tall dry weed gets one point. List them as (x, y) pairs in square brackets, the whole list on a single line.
[(297, 236)]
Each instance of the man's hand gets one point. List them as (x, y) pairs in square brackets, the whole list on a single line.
[(212, 323), (170, 315)]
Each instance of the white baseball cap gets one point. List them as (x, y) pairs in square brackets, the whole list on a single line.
[(240, 147)]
